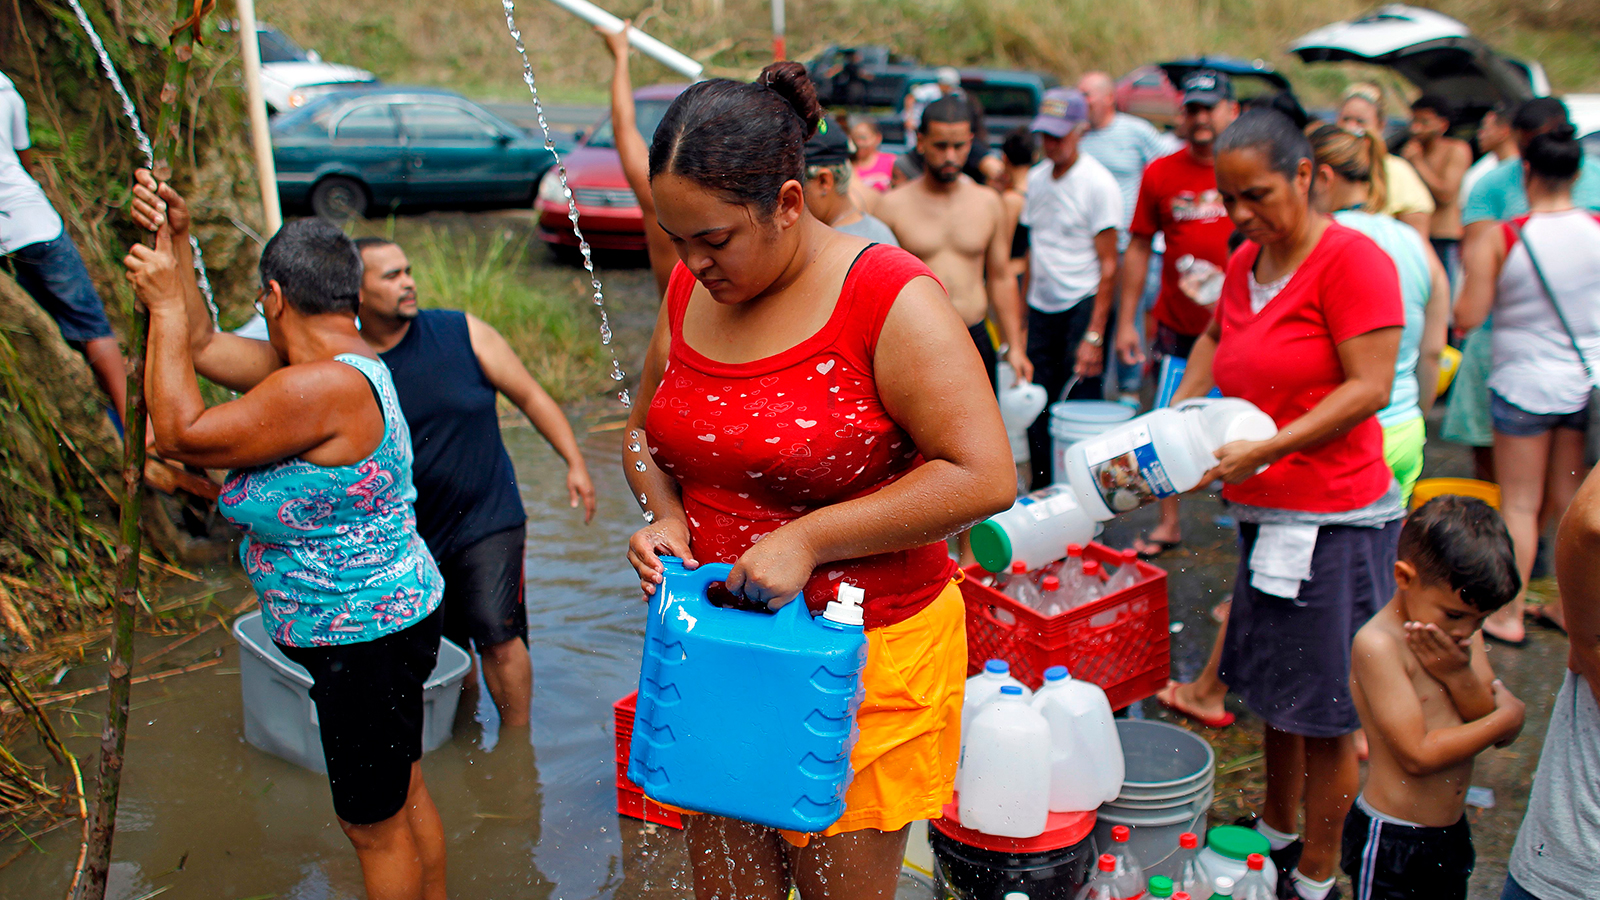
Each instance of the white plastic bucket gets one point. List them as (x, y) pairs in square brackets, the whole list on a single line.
[(1072, 421), (1167, 790)]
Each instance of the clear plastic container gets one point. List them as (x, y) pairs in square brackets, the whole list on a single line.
[(1100, 885), (1229, 846), (1007, 757), (981, 688), (1128, 880), (1086, 764), (1254, 886), (1019, 586), (1052, 601), (1191, 876), (1127, 573), (1033, 530)]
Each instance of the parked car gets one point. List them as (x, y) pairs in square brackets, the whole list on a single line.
[(1151, 91), (885, 74), (1434, 52), (292, 77), (1008, 97), (608, 212), (1585, 112), (349, 153)]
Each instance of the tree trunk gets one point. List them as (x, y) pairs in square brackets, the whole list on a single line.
[(103, 822)]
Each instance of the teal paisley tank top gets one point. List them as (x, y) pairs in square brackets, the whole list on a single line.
[(333, 551)]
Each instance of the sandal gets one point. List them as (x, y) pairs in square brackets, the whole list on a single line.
[(1162, 547), (1222, 721), (1537, 616)]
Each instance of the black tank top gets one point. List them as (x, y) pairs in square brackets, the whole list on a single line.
[(466, 487)]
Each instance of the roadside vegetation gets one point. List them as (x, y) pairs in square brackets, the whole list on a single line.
[(402, 43)]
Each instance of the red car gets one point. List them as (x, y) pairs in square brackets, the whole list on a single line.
[(608, 212), (1151, 92)]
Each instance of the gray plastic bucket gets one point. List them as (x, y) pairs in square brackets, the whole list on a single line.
[(280, 718), (1167, 790), (1072, 421)]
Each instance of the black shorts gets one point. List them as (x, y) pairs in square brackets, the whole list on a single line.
[(1386, 861), (483, 591), (980, 339), (369, 711)]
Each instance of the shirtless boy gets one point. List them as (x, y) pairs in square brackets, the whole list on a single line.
[(1429, 703), (1442, 162), (960, 229)]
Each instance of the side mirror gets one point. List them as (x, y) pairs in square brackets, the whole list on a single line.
[(577, 136), (313, 56)]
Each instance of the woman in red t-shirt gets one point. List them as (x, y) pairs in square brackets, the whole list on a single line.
[(1307, 328), (812, 412)]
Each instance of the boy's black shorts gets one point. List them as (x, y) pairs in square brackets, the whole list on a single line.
[(1385, 860)]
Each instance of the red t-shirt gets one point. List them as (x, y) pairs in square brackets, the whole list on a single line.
[(755, 445), (1285, 360), (1178, 197)]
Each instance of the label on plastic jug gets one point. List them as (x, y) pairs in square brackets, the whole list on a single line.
[(1126, 470), (1047, 502)]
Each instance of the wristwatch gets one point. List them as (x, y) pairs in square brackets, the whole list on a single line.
[(1094, 338)]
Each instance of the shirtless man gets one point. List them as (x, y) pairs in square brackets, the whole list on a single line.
[(1441, 162), (960, 229)]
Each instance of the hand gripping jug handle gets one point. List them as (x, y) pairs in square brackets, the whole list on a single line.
[(680, 584)]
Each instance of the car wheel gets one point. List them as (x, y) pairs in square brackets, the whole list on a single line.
[(337, 198)]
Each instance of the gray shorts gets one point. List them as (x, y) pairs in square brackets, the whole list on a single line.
[(1289, 660)]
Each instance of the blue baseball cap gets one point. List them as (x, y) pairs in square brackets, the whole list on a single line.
[(1061, 110)]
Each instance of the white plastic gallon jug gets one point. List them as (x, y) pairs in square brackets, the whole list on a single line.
[(981, 688), (1160, 454), (1008, 758), (1086, 766), (1034, 531), (1020, 404)]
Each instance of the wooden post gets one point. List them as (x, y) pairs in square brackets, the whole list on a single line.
[(90, 881)]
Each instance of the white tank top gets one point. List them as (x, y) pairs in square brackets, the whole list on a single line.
[(1535, 367)]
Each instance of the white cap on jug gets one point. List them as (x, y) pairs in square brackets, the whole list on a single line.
[(846, 610), (997, 667)]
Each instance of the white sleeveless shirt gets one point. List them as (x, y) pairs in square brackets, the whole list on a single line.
[(1535, 368)]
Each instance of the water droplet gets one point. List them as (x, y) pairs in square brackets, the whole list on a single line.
[(623, 396), (639, 466), (649, 517), (634, 446), (643, 500)]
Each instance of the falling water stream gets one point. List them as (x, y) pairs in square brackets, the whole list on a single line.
[(143, 139)]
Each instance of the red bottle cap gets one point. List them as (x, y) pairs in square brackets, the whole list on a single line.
[(1129, 555), (1119, 834), (1092, 569), (1255, 861), (1051, 583), (1108, 863), (1019, 567), (1074, 549), (1180, 895), (1188, 840)]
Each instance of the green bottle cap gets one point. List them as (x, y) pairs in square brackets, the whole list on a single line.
[(991, 546), (1236, 842), (1160, 886)]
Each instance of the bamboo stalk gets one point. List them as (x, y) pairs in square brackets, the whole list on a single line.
[(95, 864)]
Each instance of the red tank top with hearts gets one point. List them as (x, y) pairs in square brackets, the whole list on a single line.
[(755, 445)]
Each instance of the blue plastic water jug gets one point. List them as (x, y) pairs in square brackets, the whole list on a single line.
[(747, 714)]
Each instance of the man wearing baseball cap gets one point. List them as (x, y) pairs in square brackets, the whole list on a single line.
[(1072, 211), (1178, 200), (827, 186)]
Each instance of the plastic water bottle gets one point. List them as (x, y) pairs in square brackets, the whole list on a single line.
[(1092, 583), (1033, 530), (1254, 886), (1160, 886), (1007, 758), (1192, 876), (981, 688), (1128, 882), (1127, 574), (1019, 587), (1100, 886), (1020, 404), (1222, 888), (1086, 764), (1162, 453), (1053, 602), (1200, 279)]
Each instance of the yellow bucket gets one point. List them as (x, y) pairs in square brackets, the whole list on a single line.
[(1429, 488), (1449, 364)]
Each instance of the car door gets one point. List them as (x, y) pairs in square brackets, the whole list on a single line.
[(454, 157), (366, 143)]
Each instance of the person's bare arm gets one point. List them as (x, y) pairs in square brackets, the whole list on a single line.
[(1578, 569), (1435, 331), (1091, 361), (1421, 221), (667, 531), (1394, 713), (1483, 253), (1198, 376), (26, 158), (1368, 362), (928, 375), (510, 377), (635, 156), (1444, 182), (234, 362), (1135, 268), (323, 407), (1003, 296)]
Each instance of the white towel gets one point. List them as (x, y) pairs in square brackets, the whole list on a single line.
[(1282, 559)]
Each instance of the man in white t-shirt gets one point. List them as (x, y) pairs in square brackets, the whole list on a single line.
[(1072, 211), (36, 250)]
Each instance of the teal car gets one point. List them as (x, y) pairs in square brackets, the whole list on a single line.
[(373, 151)]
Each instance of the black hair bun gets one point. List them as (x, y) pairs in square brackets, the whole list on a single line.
[(790, 81), (1564, 132)]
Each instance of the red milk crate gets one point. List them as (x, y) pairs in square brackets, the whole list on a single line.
[(631, 801), (1120, 642)]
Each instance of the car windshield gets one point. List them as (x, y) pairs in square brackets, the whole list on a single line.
[(649, 113), (1003, 100), (277, 48)]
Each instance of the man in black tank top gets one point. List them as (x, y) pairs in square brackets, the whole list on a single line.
[(449, 368)]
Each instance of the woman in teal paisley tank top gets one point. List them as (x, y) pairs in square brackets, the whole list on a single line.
[(321, 487)]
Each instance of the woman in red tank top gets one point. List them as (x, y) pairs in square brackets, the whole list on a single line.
[(812, 412)]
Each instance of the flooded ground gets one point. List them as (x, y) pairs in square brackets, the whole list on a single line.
[(533, 814)]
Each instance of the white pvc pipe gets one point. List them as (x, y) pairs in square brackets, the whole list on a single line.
[(663, 54), (261, 138)]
